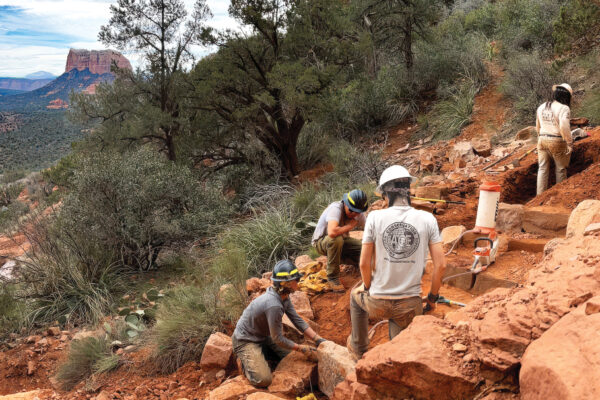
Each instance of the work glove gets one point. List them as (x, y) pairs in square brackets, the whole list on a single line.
[(319, 340), (309, 351)]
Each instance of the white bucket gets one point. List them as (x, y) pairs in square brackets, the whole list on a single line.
[(487, 210)]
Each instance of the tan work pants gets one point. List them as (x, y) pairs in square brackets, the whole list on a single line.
[(362, 306), (253, 357), (336, 249), (551, 150)]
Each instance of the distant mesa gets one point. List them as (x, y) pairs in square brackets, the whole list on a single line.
[(97, 61), (57, 104), (40, 75)]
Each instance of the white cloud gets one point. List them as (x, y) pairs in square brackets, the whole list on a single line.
[(63, 24)]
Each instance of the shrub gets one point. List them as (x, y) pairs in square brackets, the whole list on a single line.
[(528, 82), (589, 107), (270, 235), (313, 145), (450, 114), (354, 165), (185, 319), (12, 310), (86, 357), (67, 277), (577, 22), (136, 204), (518, 24), (450, 55)]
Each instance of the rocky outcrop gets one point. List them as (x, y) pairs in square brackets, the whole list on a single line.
[(564, 362), (57, 104), (98, 62), (483, 344)]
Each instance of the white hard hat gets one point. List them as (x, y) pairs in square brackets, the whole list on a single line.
[(391, 174), (564, 86)]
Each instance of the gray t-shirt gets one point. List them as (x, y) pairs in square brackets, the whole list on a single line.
[(402, 236), (333, 212), (262, 318)]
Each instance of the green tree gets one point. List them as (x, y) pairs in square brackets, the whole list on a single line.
[(147, 105), (262, 87), (394, 26)]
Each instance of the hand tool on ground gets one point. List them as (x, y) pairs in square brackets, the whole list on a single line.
[(438, 200), (443, 300), (502, 159)]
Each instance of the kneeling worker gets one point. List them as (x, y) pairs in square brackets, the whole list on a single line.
[(258, 335), (331, 237), (400, 236)]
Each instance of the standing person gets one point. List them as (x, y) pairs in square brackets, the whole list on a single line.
[(554, 135), (258, 335), (331, 237), (399, 237)]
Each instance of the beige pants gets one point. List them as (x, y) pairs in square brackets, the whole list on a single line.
[(551, 150), (400, 314)]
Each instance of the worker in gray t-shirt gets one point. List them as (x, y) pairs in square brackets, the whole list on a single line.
[(258, 335), (331, 237), (400, 238)]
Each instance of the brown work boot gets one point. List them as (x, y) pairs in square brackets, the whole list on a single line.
[(353, 354), (335, 285)]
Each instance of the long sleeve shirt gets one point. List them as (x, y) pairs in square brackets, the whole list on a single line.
[(263, 318)]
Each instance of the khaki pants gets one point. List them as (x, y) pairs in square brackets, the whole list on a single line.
[(254, 356), (551, 150), (399, 312), (337, 248)]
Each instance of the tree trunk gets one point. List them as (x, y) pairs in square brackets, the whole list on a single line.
[(407, 47), (170, 145)]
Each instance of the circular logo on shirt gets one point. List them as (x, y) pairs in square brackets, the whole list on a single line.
[(400, 240)]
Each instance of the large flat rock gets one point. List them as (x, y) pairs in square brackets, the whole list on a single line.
[(335, 364), (418, 363), (564, 363)]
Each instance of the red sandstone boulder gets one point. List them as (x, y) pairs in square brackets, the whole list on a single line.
[(350, 389), (256, 285), (450, 234), (335, 364), (564, 362), (293, 375), (98, 62), (586, 212), (419, 364), (510, 217), (301, 303), (233, 389), (482, 146), (545, 220), (217, 353)]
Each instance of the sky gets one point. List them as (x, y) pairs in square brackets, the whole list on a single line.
[(36, 35)]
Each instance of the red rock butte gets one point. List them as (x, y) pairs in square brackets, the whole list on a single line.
[(97, 61)]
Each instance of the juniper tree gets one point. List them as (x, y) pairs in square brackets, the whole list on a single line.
[(267, 78), (146, 105)]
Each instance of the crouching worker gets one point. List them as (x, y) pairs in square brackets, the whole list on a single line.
[(258, 335), (331, 237), (399, 237)]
